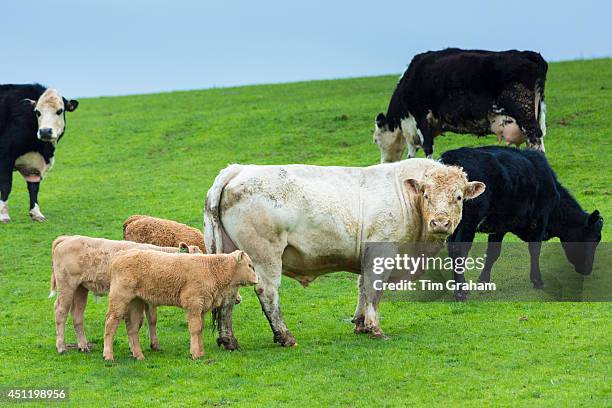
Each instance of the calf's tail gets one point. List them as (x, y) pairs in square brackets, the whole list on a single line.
[(212, 214), (54, 245)]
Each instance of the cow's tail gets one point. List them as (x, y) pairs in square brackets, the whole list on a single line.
[(130, 220), (54, 245), (212, 214)]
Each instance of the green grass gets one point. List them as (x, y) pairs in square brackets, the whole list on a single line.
[(158, 154)]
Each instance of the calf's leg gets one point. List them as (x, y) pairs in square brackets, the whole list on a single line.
[(194, 320), (117, 307), (62, 307), (35, 213), (459, 247), (79, 303), (152, 321), (133, 323)]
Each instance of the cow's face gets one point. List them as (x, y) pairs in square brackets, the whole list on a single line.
[(441, 192), (50, 110), (581, 242), (245, 272), (391, 143)]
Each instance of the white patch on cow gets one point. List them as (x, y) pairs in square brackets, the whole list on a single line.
[(4, 213), (32, 166), (412, 134), (36, 215), (542, 120)]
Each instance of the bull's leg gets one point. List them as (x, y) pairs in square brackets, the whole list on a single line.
[(79, 303), (534, 254), (269, 275), (63, 304), (35, 213), (133, 324), (194, 320), (117, 307), (152, 320), (6, 183), (371, 321), (493, 251), (223, 316), (359, 317)]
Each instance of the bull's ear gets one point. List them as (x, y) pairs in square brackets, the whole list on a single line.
[(29, 102), (474, 189), (239, 256), (594, 217), (381, 120), (183, 248), (413, 185), (71, 105)]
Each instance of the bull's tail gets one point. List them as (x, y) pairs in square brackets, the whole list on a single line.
[(130, 220), (54, 245), (212, 214)]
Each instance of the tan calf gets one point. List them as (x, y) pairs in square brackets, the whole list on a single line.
[(157, 231), (196, 283), (81, 264)]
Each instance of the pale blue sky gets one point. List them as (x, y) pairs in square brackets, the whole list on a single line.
[(114, 47)]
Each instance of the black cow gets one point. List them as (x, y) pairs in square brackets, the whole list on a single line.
[(32, 122), (465, 91), (524, 197)]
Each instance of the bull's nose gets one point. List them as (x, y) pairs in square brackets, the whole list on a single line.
[(440, 225), (45, 133)]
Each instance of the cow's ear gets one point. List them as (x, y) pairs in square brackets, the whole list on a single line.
[(183, 248), (71, 105), (29, 102), (474, 189), (381, 120), (594, 218), (413, 185), (239, 256)]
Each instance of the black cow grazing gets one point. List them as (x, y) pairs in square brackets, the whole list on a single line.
[(524, 197), (465, 91), (32, 122)]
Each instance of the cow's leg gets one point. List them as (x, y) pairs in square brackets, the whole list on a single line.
[(194, 320), (534, 254), (133, 323), (428, 138), (35, 213), (117, 307), (519, 103), (6, 183), (63, 304), (459, 247), (223, 317), (371, 301), (493, 251), (359, 317), (152, 321), (269, 274), (79, 303)]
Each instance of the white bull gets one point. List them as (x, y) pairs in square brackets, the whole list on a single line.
[(305, 221)]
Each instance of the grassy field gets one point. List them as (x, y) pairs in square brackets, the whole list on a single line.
[(158, 154)]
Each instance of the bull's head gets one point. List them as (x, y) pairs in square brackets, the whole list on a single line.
[(441, 192), (50, 110), (391, 142)]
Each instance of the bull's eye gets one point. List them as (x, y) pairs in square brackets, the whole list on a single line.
[(59, 111), (458, 198), (37, 112)]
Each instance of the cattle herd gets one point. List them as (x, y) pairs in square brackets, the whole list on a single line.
[(262, 222)]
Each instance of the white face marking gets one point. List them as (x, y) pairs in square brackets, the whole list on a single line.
[(4, 213), (49, 111)]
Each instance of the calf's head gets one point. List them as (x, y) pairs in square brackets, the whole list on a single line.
[(244, 275), (441, 192), (391, 142), (189, 249), (580, 243), (50, 110)]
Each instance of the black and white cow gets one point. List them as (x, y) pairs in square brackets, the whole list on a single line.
[(465, 91), (32, 121), (523, 197)]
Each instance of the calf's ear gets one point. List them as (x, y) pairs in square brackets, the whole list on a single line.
[(183, 248), (413, 185), (71, 105), (239, 256), (381, 120), (474, 189)]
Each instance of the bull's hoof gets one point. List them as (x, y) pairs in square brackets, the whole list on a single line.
[(285, 339), (376, 333), (359, 324), (538, 285), (461, 295), (360, 329), (229, 343)]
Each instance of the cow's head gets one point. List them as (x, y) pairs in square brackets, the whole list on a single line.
[(580, 242), (245, 272), (441, 192), (50, 110), (391, 142)]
